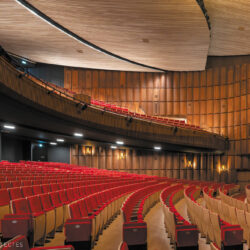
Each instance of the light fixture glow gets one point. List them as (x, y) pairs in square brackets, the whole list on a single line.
[(53, 143), (157, 147), (40, 145), (60, 140), (8, 126), (119, 142), (24, 62), (78, 134), (113, 147)]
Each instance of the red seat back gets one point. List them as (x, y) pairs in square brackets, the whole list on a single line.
[(4, 197), (15, 193), (27, 191)]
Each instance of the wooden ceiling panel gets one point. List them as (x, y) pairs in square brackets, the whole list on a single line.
[(230, 27), (27, 35), (163, 34)]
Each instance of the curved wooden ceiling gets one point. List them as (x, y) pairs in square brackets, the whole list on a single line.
[(27, 35), (230, 27), (162, 34)]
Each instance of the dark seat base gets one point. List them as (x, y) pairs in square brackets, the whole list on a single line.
[(236, 247), (138, 247), (186, 248), (80, 245)]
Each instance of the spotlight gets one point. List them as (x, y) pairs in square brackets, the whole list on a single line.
[(130, 119), (78, 134), (40, 145), (113, 147), (24, 62), (119, 142), (8, 126), (53, 143), (59, 140), (157, 148), (84, 106), (175, 129)]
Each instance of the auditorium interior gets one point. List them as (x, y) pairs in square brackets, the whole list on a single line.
[(124, 125)]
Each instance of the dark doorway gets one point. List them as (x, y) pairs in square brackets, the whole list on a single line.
[(40, 153)]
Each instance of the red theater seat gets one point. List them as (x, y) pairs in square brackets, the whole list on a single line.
[(27, 191), (37, 189), (4, 204), (15, 193), (24, 221)]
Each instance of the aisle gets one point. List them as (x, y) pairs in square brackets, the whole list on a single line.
[(111, 237), (157, 236)]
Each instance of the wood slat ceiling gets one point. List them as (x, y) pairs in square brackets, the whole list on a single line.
[(162, 34), (25, 34), (230, 27)]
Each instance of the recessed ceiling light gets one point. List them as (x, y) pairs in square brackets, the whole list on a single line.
[(24, 62), (40, 145), (119, 142), (60, 140), (9, 126), (157, 147), (113, 147), (78, 134), (53, 143)]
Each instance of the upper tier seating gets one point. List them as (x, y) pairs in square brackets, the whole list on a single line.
[(162, 120), (221, 234), (67, 93), (181, 232), (135, 209)]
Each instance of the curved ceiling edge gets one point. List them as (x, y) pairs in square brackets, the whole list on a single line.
[(50, 21)]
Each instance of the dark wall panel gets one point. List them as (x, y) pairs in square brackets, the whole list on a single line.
[(49, 73), (59, 154), (15, 149)]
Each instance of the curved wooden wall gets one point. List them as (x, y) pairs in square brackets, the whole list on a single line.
[(217, 99)]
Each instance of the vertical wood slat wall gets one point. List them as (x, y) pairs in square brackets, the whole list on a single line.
[(217, 99)]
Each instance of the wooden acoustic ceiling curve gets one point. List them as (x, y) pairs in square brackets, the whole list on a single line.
[(25, 34), (230, 27), (161, 34)]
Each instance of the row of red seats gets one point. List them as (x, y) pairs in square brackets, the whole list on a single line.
[(44, 209), (135, 209), (90, 215), (182, 233), (62, 183), (44, 194), (162, 120), (221, 234)]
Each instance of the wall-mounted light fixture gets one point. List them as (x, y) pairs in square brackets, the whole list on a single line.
[(189, 164), (122, 154), (87, 150), (222, 168)]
